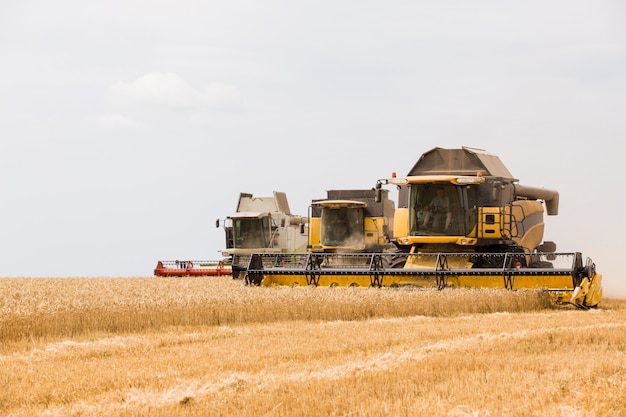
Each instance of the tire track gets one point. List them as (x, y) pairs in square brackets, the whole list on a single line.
[(387, 361)]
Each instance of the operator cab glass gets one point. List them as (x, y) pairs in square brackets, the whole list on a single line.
[(441, 209), (251, 232), (228, 228), (341, 226)]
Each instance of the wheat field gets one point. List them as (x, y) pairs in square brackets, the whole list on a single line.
[(150, 346)]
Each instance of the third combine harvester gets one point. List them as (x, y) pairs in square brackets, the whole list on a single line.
[(462, 221)]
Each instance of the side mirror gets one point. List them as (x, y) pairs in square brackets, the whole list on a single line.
[(217, 223), (378, 193)]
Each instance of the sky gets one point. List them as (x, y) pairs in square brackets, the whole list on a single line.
[(128, 127)]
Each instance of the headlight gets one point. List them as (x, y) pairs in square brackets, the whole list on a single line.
[(398, 181), (470, 180)]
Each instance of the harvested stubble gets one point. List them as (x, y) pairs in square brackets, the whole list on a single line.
[(43, 307)]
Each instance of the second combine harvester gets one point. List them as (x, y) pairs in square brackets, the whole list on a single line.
[(462, 221)]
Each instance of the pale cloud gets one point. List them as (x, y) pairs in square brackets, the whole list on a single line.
[(118, 121), (166, 89), (170, 90)]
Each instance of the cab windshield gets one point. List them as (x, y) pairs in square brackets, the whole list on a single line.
[(251, 233), (441, 209), (341, 226)]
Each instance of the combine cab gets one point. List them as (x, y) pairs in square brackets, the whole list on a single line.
[(350, 221), (462, 221), (262, 225)]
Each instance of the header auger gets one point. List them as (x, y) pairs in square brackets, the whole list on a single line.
[(462, 220)]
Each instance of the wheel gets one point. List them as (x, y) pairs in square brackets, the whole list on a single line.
[(394, 262)]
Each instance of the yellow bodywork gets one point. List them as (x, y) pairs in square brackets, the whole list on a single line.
[(315, 229)]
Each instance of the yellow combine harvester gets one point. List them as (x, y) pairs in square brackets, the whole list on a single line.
[(462, 221), (352, 221)]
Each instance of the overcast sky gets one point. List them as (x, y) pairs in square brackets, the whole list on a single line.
[(128, 127)]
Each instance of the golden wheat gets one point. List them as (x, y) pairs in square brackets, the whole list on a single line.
[(37, 307), (197, 347)]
